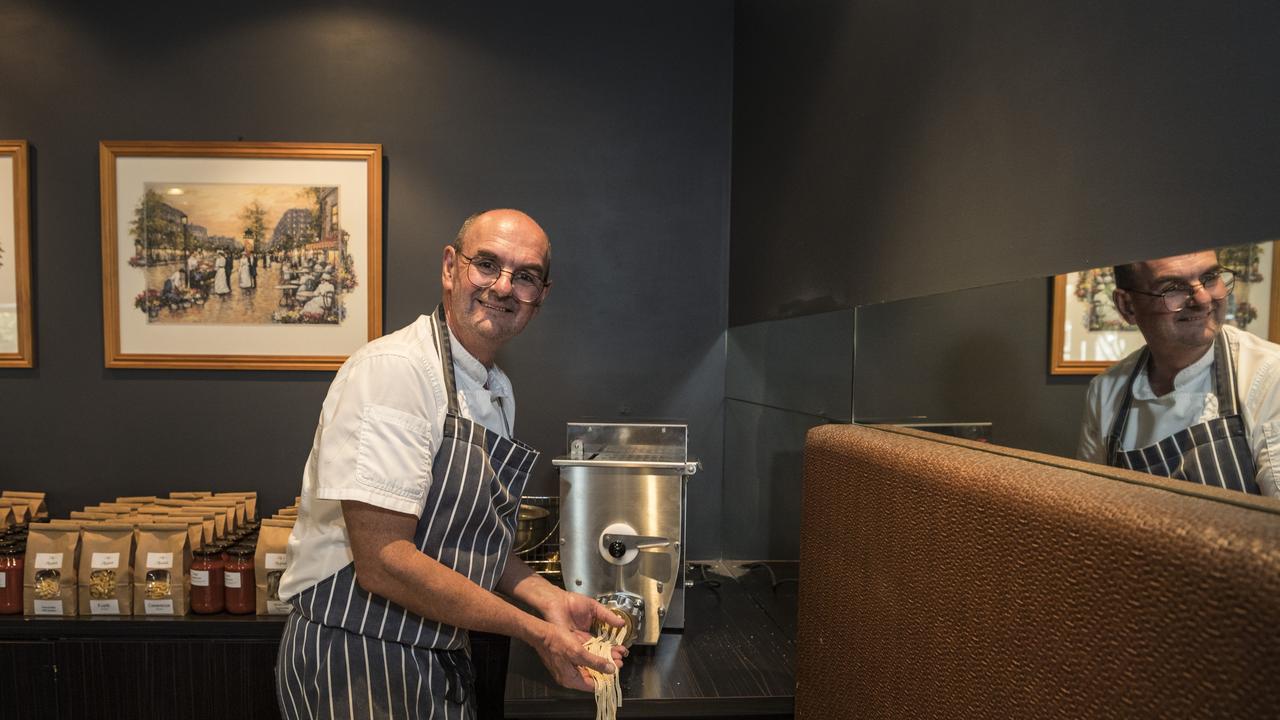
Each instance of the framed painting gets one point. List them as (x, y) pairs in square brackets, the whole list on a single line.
[(249, 256), (16, 349), (1089, 335)]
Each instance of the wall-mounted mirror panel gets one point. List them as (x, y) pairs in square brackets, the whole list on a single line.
[(978, 355), (1021, 355), (782, 378)]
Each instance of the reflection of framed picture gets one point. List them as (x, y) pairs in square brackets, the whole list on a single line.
[(1089, 335), (16, 348), (231, 255)]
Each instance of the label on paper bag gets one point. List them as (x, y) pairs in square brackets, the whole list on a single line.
[(277, 607), (104, 607), (158, 607), (232, 579), (105, 561), (160, 561), (200, 578), (276, 561), (47, 607), (49, 561)]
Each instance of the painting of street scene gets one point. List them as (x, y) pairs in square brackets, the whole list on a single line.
[(240, 254), (8, 308)]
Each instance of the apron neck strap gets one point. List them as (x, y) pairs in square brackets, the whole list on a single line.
[(1224, 374), (444, 348), (1122, 417)]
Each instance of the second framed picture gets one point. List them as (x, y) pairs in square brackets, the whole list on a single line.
[(253, 256), (16, 347)]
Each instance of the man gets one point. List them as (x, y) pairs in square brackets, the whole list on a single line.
[(408, 506), (1201, 402)]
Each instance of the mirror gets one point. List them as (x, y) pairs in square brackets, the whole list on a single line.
[(977, 355), (1020, 355)]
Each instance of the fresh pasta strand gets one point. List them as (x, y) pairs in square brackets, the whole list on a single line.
[(608, 689)]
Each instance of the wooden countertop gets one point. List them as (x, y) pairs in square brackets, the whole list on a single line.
[(735, 657)]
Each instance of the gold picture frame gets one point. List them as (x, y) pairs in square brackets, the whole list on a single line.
[(1087, 331), (238, 255), (16, 346)]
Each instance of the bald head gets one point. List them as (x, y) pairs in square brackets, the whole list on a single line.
[(506, 221)]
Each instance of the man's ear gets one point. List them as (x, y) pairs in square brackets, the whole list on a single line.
[(1124, 303), (447, 264)]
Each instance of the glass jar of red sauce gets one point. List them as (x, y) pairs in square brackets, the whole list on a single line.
[(11, 564), (237, 574), (207, 580)]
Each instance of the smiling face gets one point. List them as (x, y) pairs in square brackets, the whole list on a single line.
[(1187, 331), (483, 319)]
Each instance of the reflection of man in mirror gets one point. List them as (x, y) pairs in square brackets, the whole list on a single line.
[(1201, 402)]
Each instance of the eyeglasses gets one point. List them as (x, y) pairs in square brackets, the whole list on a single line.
[(1217, 283), (483, 272)]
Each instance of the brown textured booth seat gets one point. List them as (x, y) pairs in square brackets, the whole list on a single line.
[(946, 578)]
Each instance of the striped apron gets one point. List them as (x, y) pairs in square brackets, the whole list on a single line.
[(1215, 452), (347, 653)]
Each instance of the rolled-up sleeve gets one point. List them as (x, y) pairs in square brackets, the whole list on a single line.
[(379, 436)]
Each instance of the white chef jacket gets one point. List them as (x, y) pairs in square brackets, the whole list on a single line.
[(379, 428), (1192, 401)]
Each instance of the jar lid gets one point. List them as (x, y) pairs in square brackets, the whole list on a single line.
[(240, 550), (12, 548)]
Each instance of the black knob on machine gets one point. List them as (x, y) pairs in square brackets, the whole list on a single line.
[(617, 548)]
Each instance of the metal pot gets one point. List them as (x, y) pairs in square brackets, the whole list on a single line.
[(531, 527)]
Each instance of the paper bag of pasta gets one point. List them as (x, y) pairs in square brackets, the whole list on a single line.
[(34, 500), (112, 508), (225, 505), (250, 499), (49, 573), (270, 561), (208, 523), (162, 569), (193, 495), (7, 519), (106, 572), (88, 516), (17, 511), (195, 528), (215, 519), (136, 500), (239, 508)]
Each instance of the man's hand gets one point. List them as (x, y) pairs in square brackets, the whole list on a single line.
[(575, 611), (562, 651), (570, 616)]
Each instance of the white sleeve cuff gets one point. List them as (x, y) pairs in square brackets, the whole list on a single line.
[(374, 498)]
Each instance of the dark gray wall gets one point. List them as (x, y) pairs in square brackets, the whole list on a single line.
[(885, 150), (611, 128)]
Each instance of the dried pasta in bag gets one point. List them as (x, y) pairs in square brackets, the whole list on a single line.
[(49, 577), (106, 568)]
